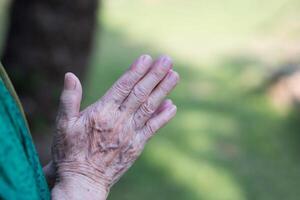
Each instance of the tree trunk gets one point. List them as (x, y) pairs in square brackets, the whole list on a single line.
[(45, 39)]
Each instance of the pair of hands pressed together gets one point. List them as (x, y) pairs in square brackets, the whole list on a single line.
[(93, 148)]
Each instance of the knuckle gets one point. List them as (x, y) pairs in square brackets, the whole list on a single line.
[(148, 108), (164, 89), (137, 72), (137, 121), (140, 93), (122, 88), (150, 128), (158, 74), (68, 99), (64, 96)]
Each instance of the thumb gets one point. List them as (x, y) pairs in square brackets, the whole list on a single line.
[(70, 98)]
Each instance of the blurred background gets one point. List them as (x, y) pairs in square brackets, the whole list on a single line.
[(236, 135)]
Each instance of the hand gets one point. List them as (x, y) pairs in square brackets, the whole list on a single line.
[(97, 145)]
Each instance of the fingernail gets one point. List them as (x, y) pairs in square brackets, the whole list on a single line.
[(172, 75), (69, 83), (172, 109), (166, 61), (167, 104), (146, 60)]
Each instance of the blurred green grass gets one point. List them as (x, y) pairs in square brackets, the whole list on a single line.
[(227, 142)]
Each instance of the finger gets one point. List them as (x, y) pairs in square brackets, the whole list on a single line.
[(147, 109), (122, 87), (162, 106), (70, 98), (158, 121), (144, 87)]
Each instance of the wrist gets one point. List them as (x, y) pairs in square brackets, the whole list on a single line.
[(88, 172), (78, 186), (49, 172)]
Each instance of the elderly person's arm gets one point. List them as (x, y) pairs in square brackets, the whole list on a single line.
[(93, 148)]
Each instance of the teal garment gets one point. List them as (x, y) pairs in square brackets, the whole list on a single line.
[(21, 174)]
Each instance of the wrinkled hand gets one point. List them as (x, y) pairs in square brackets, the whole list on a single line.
[(101, 142)]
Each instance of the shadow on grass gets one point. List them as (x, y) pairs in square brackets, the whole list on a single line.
[(225, 143)]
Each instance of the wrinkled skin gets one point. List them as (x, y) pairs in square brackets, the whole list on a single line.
[(100, 143)]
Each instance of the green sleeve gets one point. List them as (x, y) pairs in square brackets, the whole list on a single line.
[(21, 175)]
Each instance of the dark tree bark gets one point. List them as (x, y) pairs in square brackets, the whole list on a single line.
[(45, 39)]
